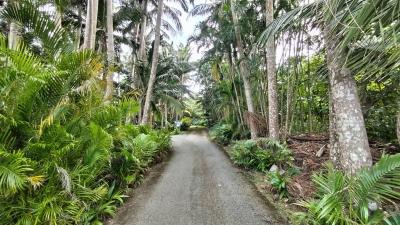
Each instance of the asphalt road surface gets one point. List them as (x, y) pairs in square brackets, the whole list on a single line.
[(198, 185)]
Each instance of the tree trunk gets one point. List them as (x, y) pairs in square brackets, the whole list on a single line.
[(95, 8), (13, 35), (153, 70), (110, 52), (58, 17), (273, 118), (91, 25), (349, 147), (142, 45), (244, 71), (398, 126), (88, 26), (232, 73), (289, 104), (134, 73), (79, 30), (165, 115)]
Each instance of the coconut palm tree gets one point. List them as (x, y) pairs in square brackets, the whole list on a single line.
[(154, 62), (161, 9)]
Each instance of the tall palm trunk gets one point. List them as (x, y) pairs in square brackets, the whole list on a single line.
[(142, 44), (289, 104), (273, 118), (110, 52), (13, 35), (398, 126), (88, 22), (349, 148), (134, 74), (79, 30), (58, 17), (95, 8), (91, 24), (232, 73), (244, 70), (153, 70)]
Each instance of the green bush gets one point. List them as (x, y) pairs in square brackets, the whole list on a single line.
[(221, 133), (279, 182), (259, 154), (347, 199), (186, 122), (199, 122)]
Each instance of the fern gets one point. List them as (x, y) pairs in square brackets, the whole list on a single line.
[(97, 144), (14, 169)]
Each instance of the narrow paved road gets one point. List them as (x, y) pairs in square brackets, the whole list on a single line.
[(196, 186)]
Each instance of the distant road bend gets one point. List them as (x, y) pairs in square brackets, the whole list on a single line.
[(196, 186)]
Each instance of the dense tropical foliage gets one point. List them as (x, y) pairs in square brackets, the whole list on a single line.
[(90, 91)]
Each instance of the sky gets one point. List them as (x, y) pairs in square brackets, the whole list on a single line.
[(189, 26)]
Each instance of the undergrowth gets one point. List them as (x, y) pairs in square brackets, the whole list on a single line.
[(66, 155)]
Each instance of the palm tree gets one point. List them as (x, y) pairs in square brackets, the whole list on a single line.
[(398, 127), (142, 43), (59, 4), (13, 35), (153, 70), (244, 71), (91, 24), (110, 52), (273, 119)]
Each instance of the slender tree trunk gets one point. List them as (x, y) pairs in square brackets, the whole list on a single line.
[(398, 126), (273, 112), (165, 115), (153, 70), (88, 25), (14, 33), (79, 30), (95, 8), (289, 103), (134, 73), (349, 147), (91, 24), (232, 72), (110, 52), (142, 45), (58, 17), (244, 70), (13, 36)]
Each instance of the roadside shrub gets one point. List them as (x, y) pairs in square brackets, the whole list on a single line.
[(259, 154), (186, 122), (199, 122), (221, 133), (354, 199), (278, 182)]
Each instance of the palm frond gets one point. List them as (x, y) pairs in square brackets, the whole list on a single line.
[(53, 39), (14, 168)]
